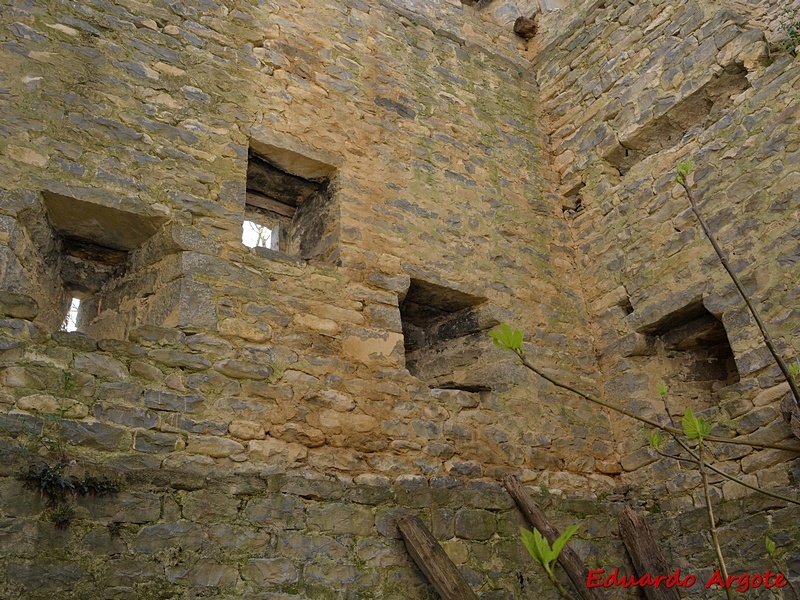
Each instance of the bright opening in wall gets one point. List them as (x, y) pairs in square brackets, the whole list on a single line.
[(71, 320), (256, 235)]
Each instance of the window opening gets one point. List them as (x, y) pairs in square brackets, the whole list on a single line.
[(699, 358), (697, 111), (444, 335), (94, 233), (287, 211), (71, 320)]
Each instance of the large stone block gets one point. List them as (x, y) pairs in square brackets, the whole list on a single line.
[(94, 216), (338, 518), (270, 572), (277, 510), (161, 400)]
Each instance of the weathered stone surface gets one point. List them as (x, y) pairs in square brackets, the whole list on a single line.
[(463, 468), (286, 510), (260, 332), (210, 508), (153, 442), (216, 447), (337, 518), (771, 395), (94, 434), (45, 576), (157, 538), (298, 434), (203, 573), (196, 426), (369, 346), (160, 400), (270, 571), (763, 459), (157, 335), (421, 128), (145, 370), (272, 450), (101, 365), (175, 358), (474, 524), (127, 507), (39, 403), (328, 573), (109, 227), (755, 419), (243, 369), (333, 399), (18, 306), (124, 391), (246, 430), (637, 459), (790, 410)]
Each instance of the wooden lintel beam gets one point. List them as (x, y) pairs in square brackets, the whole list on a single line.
[(269, 204), (645, 554), (433, 560), (568, 559)]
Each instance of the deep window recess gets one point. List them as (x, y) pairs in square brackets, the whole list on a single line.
[(573, 200), (699, 356), (94, 236), (86, 268), (694, 112), (287, 211), (444, 335)]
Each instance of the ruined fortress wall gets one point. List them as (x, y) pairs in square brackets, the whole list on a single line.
[(257, 405), (140, 119), (203, 371), (628, 91)]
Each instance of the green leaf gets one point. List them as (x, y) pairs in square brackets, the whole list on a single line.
[(507, 338), (539, 549), (661, 388), (794, 369), (684, 168), (559, 544), (655, 440), (695, 427), (691, 428), (770, 546), (533, 545), (705, 427), (544, 548)]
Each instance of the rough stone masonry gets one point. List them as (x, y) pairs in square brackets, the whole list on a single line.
[(426, 174)]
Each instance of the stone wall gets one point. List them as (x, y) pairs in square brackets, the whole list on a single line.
[(145, 116), (628, 91), (198, 532)]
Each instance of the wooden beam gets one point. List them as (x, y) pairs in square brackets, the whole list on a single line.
[(433, 560), (261, 201), (570, 561), (645, 554)]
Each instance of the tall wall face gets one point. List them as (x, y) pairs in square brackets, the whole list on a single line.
[(268, 414), (201, 365), (135, 124), (628, 91)]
